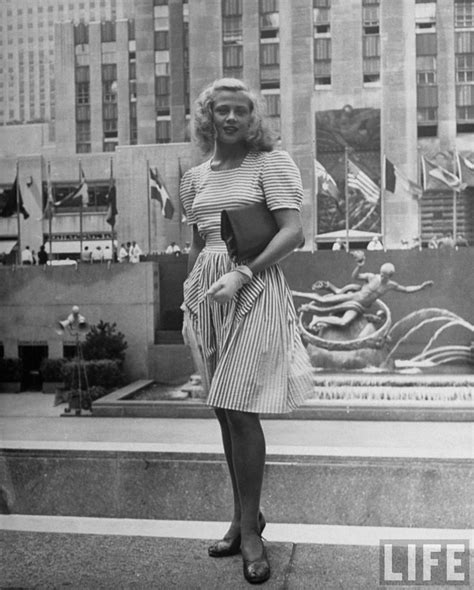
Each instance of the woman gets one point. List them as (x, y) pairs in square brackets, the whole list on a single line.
[(243, 315)]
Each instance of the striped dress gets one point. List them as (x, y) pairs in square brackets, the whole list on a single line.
[(251, 348)]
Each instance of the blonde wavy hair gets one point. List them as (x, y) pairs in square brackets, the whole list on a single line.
[(260, 136)]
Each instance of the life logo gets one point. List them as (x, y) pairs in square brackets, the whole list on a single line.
[(410, 562)]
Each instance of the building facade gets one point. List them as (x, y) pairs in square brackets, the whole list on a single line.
[(27, 51), (125, 85)]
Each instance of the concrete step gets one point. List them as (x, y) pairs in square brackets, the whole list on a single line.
[(84, 553), (312, 486)]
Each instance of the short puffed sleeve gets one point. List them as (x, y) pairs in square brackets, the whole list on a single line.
[(281, 181), (187, 192)]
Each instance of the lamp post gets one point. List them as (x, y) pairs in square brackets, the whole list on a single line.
[(75, 324)]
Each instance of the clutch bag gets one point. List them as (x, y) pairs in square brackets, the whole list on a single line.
[(247, 230)]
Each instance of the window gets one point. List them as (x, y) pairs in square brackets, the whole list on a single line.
[(131, 30), (464, 13), (163, 131), (321, 20), (273, 104), (233, 56), (270, 54), (231, 8), (109, 111), (83, 132), (109, 91), (83, 148), (82, 74), (426, 44), (162, 92), (464, 42), (109, 72), (425, 16), (82, 93), (83, 113), (425, 78), (464, 68), (161, 40), (81, 34), (371, 69), (371, 20), (233, 61), (232, 29), (108, 31)]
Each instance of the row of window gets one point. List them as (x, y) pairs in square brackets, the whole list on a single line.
[(107, 32)]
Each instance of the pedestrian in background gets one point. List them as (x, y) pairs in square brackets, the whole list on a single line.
[(243, 314), (123, 254), (27, 256), (42, 256)]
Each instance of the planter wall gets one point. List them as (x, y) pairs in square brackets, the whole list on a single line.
[(10, 387), (52, 386)]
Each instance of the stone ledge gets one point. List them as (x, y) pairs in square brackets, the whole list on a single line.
[(375, 491)]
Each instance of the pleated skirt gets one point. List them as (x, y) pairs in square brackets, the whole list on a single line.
[(251, 350)]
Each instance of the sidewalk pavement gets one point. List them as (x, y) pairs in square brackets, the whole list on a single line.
[(95, 553)]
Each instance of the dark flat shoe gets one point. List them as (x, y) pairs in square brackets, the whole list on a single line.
[(225, 547), (228, 547), (258, 570)]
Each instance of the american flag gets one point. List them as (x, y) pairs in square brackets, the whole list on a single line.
[(357, 179)]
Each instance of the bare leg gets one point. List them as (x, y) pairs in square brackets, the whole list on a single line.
[(326, 298), (333, 320), (234, 529), (248, 454)]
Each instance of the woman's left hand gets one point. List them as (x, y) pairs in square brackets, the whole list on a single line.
[(224, 289)]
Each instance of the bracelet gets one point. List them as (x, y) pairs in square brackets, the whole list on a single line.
[(245, 270)]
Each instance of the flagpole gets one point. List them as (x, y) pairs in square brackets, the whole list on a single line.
[(113, 224), (180, 209), (18, 210), (455, 197), (314, 199), (148, 204), (50, 211), (382, 202), (80, 213), (421, 180), (455, 214), (346, 194)]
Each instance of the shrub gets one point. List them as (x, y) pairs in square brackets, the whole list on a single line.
[(104, 342), (52, 370), (103, 373), (11, 370)]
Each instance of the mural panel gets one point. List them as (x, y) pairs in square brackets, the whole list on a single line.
[(358, 130)]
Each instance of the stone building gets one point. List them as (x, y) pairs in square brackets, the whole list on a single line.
[(124, 86)]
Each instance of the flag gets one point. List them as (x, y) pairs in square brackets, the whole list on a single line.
[(11, 205), (112, 203), (390, 177), (358, 179), (81, 192), (325, 183), (465, 170), (48, 212), (159, 193), (394, 177), (182, 214), (438, 178)]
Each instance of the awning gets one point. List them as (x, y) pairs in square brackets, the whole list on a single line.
[(6, 246), (74, 246), (355, 235)]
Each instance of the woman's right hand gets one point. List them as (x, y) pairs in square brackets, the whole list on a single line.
[(224, 289)]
